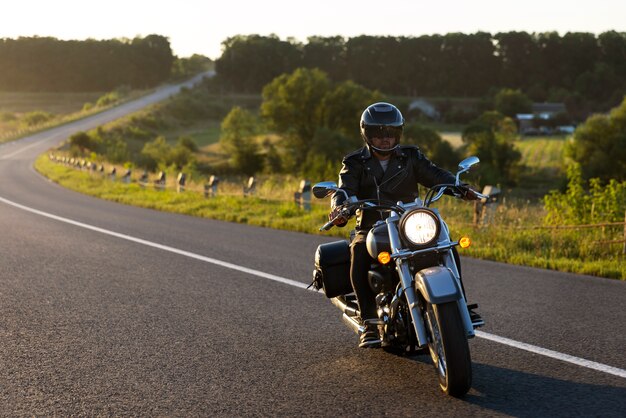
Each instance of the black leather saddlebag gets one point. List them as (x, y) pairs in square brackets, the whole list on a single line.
[(332, 269)]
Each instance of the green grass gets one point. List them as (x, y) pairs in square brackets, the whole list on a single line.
[(542, 152), (281, 214), (57, 103), (203, 133), (505, 240), (65, 107), (542, 159)]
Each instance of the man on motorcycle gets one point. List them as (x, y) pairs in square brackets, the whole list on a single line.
[(385, 170)]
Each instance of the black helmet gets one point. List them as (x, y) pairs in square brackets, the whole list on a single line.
[(381, 120)]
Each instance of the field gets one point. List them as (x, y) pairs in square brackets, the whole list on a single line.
[(57, 103), (22, 113)]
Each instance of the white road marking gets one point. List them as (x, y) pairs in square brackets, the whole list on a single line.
[(159, 246), (19, 151), (553, 354), (502, 340)]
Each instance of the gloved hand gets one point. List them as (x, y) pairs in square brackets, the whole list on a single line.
[(337, 213), (468, 192)]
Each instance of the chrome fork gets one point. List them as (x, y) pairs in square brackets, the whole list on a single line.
[(407, 281)]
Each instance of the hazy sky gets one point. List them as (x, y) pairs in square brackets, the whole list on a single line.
[(194, 26)]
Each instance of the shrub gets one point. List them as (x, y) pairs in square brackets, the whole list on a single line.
[(36, 118), (601, 203)]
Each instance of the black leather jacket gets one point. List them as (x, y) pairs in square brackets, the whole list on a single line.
[(362, 176)]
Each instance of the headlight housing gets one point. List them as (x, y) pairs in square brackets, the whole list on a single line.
[(420, 227)]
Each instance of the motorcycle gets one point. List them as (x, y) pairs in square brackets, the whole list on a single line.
[(420, 298)]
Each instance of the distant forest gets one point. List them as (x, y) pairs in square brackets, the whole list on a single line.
[(50, 64), (580, 69), (546, 66)]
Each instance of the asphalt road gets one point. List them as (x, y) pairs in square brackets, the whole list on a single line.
[(107, 309)]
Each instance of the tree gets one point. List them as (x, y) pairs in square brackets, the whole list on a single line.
[(186, 67), (519, 58), (490, 137), (342, 106), (291, 106), (238, 131), (155, 152), (49, 64), (300, 104), (82, 141), (327, 54), (250, 62), (468, 64), (431, 144), (599, 145), (187, 142), (510, 102)]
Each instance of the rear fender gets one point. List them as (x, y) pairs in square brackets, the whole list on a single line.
[(437, 285)]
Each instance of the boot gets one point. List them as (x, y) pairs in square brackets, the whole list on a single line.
[(370, 338)]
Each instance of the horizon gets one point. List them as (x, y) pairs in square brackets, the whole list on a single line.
[(195, 28)]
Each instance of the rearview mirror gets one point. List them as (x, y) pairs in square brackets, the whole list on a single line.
[(468, 162), (465, 165), (324, 189)]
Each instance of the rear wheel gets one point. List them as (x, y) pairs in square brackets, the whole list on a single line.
[(448, 348)]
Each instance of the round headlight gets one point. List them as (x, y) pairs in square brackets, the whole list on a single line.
[(420, 227)]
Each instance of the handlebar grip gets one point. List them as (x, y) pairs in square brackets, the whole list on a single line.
[(327, 226)]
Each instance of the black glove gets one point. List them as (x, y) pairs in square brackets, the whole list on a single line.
[(338, 213), (468, 192)]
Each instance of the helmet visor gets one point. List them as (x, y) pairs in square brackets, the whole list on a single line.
[(372, 132)]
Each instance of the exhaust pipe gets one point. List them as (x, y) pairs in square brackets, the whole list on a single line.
[(350, 316), (343, 306)]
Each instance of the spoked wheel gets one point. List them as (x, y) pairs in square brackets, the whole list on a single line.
[(448, 348)]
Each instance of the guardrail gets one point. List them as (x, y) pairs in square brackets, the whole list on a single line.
[(484, 210), (210, 188)]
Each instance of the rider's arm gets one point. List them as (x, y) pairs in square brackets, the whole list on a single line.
[(428, 174), (349, 179)]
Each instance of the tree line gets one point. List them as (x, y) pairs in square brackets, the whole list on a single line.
[(546, 66), (50, 64)]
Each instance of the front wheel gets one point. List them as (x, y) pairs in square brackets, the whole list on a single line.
[(448, 348)]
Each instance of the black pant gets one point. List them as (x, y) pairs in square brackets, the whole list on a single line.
[(361, 263)]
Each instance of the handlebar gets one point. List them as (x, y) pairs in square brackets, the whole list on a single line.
[(437, 191), (327, 225), (388, 206)]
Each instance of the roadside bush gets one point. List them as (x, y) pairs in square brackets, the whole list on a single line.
[(238, 131), (599, 146), (108, 99), (36, 118), (187, 142), (601, 203), (82, 141)]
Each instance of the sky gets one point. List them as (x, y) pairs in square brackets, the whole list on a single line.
[(195, 26)]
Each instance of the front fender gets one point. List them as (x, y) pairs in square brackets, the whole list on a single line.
[(437, 285)]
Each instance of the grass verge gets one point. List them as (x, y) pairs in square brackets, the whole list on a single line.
[(506, 240)]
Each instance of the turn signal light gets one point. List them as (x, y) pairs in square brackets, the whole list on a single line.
[(465, 242), (384, 257)]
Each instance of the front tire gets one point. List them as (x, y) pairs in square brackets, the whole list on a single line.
[(448, 348)]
